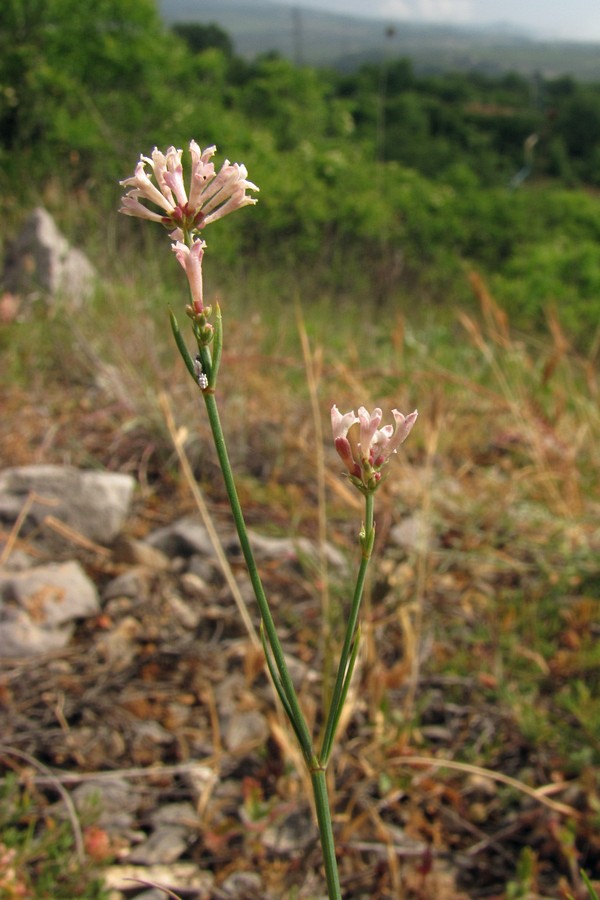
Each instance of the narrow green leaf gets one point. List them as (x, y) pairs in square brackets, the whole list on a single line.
[(217, 348), (337, 713), (183, 350)]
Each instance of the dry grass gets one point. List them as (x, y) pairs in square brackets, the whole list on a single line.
[(480, 629)]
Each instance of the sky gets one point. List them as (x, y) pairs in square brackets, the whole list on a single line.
[(574, 20)]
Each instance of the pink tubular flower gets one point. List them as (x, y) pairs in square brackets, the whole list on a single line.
[(191, 261), (211, 195), (363, 446)]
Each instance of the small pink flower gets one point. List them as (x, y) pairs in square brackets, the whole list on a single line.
[(191, 261), (363, 446), (211, 196)]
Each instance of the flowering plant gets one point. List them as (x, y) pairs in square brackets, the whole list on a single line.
[(364, 446)]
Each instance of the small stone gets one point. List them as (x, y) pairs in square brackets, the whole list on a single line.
[(133, 584), (132, 552), (165, 845), (39, 605), (245, 731), (183, 612), (53, 594), (185, 537), (292, 835), (177, 876), (239, 884), (111, 802), (20, 637)]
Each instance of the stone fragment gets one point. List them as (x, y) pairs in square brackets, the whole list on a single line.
[(173, 827), (52, 594), (19, 637), (293, 549), (95, 504), (112, 802), (184, 613), (179, 876), (164, 846), (185, 537), (243, 884), (292, 835), (132, 552), (133, 584), (245, 731), (39, 605)]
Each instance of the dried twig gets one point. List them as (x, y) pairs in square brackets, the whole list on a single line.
[(538, 794)]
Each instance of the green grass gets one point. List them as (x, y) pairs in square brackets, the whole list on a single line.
[(38, 850)]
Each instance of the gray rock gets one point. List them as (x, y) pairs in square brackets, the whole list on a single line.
[(112, 802), (173, 827), (53, 594), (183, 613), (39, 605), (20, 637), (95, 504), (291, 835), (293, 549), (133, 584), (41, 263), (182, 814), (165, 845), (242, 884), (246, 730), (186, 537)]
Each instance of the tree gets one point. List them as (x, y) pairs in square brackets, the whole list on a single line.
[(204, 37), (77, 79)]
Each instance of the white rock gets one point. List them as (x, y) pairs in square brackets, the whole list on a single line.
[(95, 504), (41, 263), (39, 605)]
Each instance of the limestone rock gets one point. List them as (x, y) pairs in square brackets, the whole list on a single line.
[(95, 504), (41, 263), (39, 605)]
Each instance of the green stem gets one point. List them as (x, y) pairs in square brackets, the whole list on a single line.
[(297, 717), (346, 657), (319, 786), (277, 665)]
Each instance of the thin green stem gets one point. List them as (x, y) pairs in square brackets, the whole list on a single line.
[(341, 683), (277, 665), (297, 717), (319, 786)]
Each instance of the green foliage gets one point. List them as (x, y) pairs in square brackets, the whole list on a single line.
[(204, 37), (43, 862), (381, 182)]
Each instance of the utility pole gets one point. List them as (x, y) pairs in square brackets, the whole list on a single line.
[(297, 36)]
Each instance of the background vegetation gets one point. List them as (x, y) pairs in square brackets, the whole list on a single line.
[(424, 177)]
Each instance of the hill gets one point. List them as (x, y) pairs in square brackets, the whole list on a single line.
[(320, 38)]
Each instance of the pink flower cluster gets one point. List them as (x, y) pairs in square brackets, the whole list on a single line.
[(211, 196), (363, 446)]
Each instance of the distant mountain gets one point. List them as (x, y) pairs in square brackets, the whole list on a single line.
[(314, 37)]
